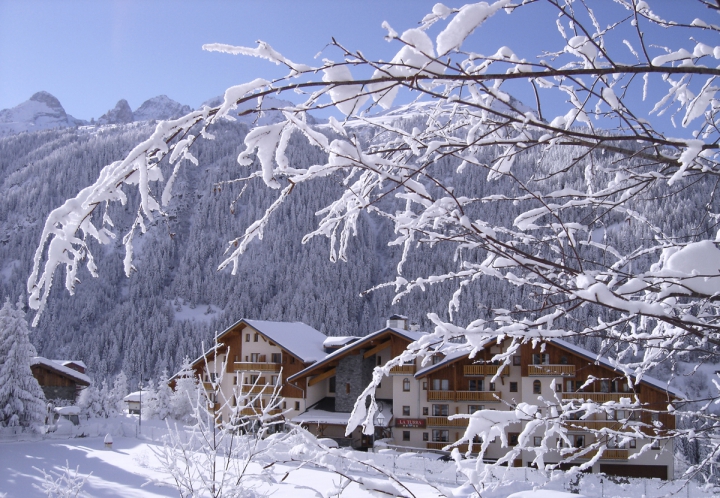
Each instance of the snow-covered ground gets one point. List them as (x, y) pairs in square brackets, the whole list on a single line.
[(131, 468)]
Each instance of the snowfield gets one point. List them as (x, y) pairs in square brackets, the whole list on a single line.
[(131, 469)]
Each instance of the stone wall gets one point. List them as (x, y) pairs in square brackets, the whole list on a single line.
[(355, 371)]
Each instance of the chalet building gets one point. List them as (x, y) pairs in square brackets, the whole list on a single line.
[(415, 401), (60, 379), (257, 354)]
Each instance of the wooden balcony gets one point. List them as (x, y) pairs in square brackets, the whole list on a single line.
[(445, 422), (403, 370), (598, 397), (594, 424), (249, 412), (614, 454), (487, 396), (551, 370), (482, 370), (248, 366), (262, 388), (439, 446)]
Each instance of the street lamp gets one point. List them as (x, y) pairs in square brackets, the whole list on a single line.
[(378, 422)]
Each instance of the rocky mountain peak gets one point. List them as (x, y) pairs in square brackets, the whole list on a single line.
[(120, 114)]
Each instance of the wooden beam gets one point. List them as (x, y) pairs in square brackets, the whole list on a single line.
[(377, 349), (322, 376)]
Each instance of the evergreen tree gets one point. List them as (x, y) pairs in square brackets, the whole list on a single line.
[(164, 397), (22, 402), (117, 394), (185, 394)]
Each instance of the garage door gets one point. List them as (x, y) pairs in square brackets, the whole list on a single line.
[(649, 471)]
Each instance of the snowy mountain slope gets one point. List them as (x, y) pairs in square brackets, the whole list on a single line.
[(120, 114), (41, 112), (160, 107)]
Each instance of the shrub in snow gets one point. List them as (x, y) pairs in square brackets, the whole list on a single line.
[(22, 402), (64, 484)]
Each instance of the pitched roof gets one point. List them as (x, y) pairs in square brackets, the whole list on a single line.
[(411, 335), (298, 338), (63, 370), (646, 379)]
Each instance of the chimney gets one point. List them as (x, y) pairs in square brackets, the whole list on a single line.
[(398, 322)]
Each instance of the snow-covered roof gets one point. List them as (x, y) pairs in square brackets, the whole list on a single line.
[(322, 417), (133, 397), (647, 379), (67, 410), (339, 341), (57, 367), (65, 363), (298, 338), (411, 335)]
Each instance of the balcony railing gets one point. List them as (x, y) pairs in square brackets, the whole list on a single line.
[(598, 397), (594, 424), (551, 370), (439, 446), (249, 366), (488, 396), (248, 412), (403, 370), (262, 388), (614, 454), (481, 370), (445, 422)]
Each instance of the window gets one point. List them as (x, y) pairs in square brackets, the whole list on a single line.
[(276, 358), (475, 408), (541, 359), (247, 337), (441, 384), (492, 386), (513, 387), (379, 360), (331, 384), (213, 376), (579, 441), (284, 405), (440, 410), (347, 388), (424, 385), (441, 436), (273, 380), (425, 410), (406, 411), (437, 359), (632, 443), (604, 386), (234, 401), (406, 384), (236, 359), (406, 435), (425, 436), (252, 379), (292, 360), (513, 438), (256, 338), (235, 381), (297, 405), (569, 387), (517, 361), (477, 385), (558, 387), (563, 360), (255, 357), (537, 388), (537, 440)]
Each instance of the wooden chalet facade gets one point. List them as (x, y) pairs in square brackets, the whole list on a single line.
[(321, 383), (58, 380)]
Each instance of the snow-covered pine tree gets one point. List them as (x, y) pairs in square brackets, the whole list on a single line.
[(164, 397), (90, 402), (185, 393), (117, 394), (149, 401), (22, 402)]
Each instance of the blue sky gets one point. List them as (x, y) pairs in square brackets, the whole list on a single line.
[(90, 54)]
